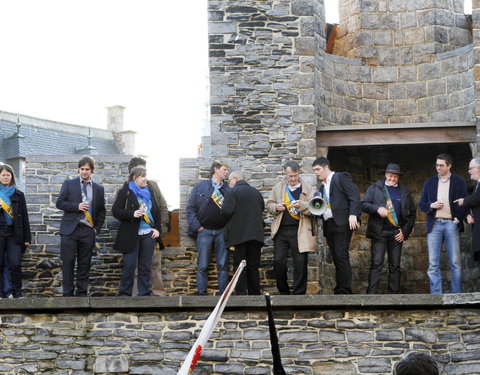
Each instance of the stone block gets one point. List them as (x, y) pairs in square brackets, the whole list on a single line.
[(375, 91), (385, 74), (305, 46), (416, 90), (111, 364), (222, 27), (303, 7)]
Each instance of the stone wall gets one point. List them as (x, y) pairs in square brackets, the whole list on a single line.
[(351, 92), (406, 31), (317, 335)]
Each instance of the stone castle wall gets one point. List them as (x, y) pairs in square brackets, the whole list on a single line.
[(351, 92), (153, 335), (405, 31)]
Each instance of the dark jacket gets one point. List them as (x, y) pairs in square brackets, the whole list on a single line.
[(472, 202), (375, 198), (458, 189), (68, 200), (197, 204), (243, 207), (344, 198), (21, 224), (126, 203)]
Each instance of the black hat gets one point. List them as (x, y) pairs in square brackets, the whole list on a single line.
[(393, 168)]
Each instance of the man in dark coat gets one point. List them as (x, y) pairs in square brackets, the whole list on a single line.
[(83, 205), (472, 202), (392, 217), (340, 219), (243, 206), (206, 224)]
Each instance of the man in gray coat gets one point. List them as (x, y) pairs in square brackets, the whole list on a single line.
[(243, 207)]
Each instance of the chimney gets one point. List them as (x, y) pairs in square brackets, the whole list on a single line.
[(115, 118), (125, 138)]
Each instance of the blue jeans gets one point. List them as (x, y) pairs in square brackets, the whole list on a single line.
[(444, 230), (143, 255), (206, 238)]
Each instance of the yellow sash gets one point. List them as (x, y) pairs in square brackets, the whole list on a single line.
[(288, 202), (8, 209)]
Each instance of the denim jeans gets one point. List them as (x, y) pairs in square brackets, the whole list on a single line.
[(206, 238), (143, 256), (444, 231)]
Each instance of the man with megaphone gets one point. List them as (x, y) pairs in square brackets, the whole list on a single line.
[(392, 217), (340, 219)]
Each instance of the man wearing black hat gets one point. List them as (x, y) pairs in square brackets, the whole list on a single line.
[(392, 217)]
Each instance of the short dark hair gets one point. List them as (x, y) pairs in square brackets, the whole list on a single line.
[(135, 162), (137, 172), (216, 165), (321, 161), (293, 165), (448, 159), (87, 160), (415, 363), (9, 169)]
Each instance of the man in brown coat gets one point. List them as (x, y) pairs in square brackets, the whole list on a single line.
[(292, 228)]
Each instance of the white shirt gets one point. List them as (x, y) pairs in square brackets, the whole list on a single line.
[(328, 213)]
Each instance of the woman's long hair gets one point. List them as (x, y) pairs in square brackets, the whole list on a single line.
[(9, 169)]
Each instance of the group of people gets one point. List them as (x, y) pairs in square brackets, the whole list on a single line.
[(229, 215), (139, 206)]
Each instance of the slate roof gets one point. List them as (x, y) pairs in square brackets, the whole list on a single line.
[(39, 141)]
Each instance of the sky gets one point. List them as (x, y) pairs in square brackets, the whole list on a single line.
[(67, 60)]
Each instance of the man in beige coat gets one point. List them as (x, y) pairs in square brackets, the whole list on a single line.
[(292, 228)]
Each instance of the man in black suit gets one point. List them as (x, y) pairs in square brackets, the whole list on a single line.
[(340, 219), (83, 205)]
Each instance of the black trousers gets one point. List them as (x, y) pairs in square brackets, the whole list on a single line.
[(338, 240), (285, 240), (13, 252), (380, 246), (78, 246), (249, 280)]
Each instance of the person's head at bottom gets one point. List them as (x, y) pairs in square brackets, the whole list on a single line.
[(416, 363)]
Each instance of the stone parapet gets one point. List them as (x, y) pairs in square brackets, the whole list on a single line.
[(335, 335)]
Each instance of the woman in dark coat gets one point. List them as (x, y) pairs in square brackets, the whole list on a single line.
[(139, 228), (15, 233)]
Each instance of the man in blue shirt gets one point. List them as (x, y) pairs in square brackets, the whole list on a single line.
[(392, 218)]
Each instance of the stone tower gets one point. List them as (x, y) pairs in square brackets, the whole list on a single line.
[(398, 87)]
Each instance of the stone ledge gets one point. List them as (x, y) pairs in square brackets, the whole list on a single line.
[(182, 302)]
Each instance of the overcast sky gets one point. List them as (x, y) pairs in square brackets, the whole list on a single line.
[(68, 60)]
